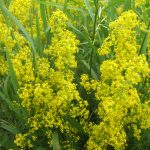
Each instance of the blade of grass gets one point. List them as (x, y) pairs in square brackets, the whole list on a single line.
[(10, 105), (84, 34), (65, 6), (94, 33), (87, 4), (7, 126), (5, 89), (44, 20), (88, 38), (93, 73), (39, 40), (12, 73), (143, 45), (55, 141)]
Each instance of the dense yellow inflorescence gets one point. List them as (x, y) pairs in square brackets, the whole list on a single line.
[(46, 89), (28, 13), (6, 35), (120, 105), (46, 83), (50, 95), (22, 10), (57, 48)]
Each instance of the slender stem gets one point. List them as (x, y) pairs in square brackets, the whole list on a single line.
[(144, 39), (93, 37)]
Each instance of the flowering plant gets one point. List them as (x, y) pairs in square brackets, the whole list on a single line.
[(73, 75)]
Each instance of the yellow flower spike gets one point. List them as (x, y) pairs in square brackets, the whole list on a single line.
[(58, 21), (21, 9), (50, 96), (25, 10), (5, 35), (23, 66), (120, 102)]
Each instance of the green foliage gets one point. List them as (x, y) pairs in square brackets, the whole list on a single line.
[(90, 22)]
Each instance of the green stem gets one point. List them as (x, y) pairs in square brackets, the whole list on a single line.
[(93, 36), (144, 39)]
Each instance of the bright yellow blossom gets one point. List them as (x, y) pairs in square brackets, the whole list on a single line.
[(119, 100)]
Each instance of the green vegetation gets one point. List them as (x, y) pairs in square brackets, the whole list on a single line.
[(74, 74)]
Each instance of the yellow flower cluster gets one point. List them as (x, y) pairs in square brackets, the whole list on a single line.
[(28, 12), (5, 35), (22, 10), (49, 96), (47, 91), (73, 7), (23, 66), (63, 54), (46, 88), (120, 106)]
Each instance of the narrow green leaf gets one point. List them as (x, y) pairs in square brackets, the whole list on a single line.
[(75, 124), (12, 129), (55, 141), (12, 73), (87, 4), (65, 5), (143, 47), (6, 100), (84, 34), (10, 105), (44, 20), (75, 29), (88, 38), (39, 40), (5, 89), (93, 74)]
